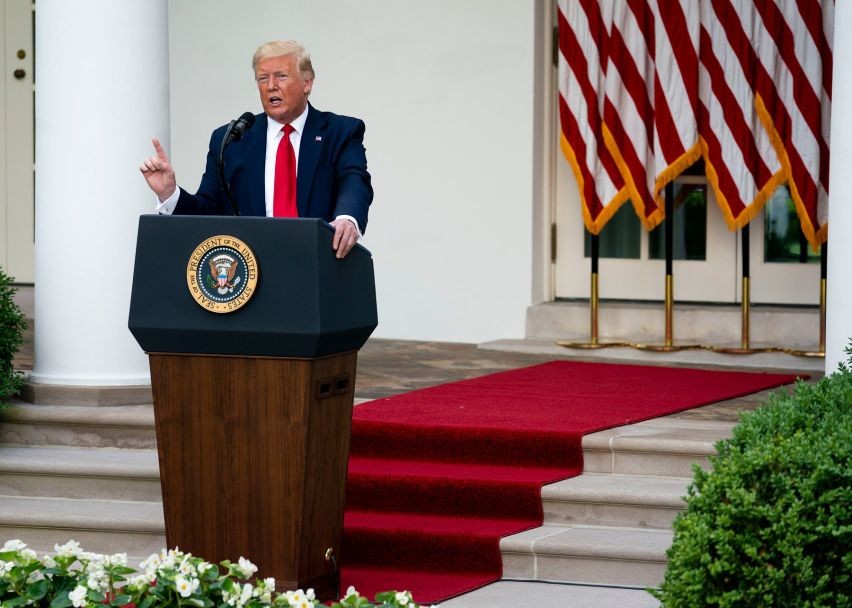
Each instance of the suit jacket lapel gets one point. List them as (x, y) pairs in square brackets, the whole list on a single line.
[(255, 156), (309, 153)]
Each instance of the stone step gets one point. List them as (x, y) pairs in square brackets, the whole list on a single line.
[(124, 426), (664, 447), (600, 499), (597, 555), (102, 526), (83, 473)]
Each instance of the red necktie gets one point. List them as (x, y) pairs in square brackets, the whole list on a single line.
[(284, 191)]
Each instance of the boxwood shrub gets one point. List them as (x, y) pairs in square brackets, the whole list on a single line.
[(771, 523), (12, 326)]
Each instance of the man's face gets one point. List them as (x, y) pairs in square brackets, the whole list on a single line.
[(283, 89)]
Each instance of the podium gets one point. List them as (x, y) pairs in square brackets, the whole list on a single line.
[(252, 328)]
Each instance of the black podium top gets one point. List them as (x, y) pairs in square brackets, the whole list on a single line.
[(305, 303)]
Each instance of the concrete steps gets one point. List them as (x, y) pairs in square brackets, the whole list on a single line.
[(102, 526), (596, 499), (80, 473), (85, 473), (124, 426), (612, 524)]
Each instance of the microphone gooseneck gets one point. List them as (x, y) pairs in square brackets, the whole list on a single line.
[(235, 131)]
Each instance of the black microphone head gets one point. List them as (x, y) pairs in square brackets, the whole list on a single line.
[(242, 125)]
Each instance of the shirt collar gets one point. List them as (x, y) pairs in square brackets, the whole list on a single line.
[(273, 126)]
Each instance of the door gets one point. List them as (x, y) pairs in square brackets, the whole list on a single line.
[(632, 260), (17, 207)]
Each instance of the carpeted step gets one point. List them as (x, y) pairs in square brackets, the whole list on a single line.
[(63, 472), (430, 542), (666, 447), (102, 526), (638, 501), (463, 443), (439, 487), (125, 426), (596, 555)]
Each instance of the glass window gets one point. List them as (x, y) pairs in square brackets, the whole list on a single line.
[(783, 240), (690, 226), (620, 237)]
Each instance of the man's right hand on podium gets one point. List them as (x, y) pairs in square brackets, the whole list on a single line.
[(158, 172)]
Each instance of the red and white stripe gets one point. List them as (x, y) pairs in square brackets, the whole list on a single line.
[(628, 112), (676, 144), (583, 38), (741, 163)]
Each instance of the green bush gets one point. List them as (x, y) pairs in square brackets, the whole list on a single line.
[(771, 523), (12, 326)]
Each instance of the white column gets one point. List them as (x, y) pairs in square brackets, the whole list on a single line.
[(839, 302), (102, 92)]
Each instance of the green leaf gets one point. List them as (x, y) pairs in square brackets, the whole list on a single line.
[(61, 600), (147, 601), (37, 590)]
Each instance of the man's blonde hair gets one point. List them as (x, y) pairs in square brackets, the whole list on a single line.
[(279, 48)]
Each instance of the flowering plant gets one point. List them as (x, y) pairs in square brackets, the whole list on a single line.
[(76, 578)]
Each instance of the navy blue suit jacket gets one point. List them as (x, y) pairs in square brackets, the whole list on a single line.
[(332, 177)]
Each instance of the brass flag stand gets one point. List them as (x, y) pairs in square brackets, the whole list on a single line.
[(668, 345)]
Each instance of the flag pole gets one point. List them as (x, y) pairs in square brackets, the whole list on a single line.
[(823, 273), (669, 232), (746, 288), (593, 296)]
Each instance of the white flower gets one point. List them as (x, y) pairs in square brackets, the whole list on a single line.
[(295, 597), (186, 587), (186, 568), (203, 567), (48, 561), (117, 559), (13, 545), (248, 569), (303, 604), (78, 596), (98, 581), (151, 563), (351, 591), (402, 598), (311, 595), (69, 549), (264, 590), (245, 596), (6, 567), (140, 581), (28, 554)]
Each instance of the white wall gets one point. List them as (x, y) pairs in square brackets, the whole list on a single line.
[(446, 90)]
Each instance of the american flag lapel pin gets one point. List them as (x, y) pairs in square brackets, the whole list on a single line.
[(318, 138)]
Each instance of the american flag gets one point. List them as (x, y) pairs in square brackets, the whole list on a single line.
[(647, 87)]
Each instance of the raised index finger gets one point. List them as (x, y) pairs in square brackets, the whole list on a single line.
[(161, 154)]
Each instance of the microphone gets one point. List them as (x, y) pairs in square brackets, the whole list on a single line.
[(238, 128), (235, 131)]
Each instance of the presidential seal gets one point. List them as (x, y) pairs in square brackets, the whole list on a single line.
[(222, 274)]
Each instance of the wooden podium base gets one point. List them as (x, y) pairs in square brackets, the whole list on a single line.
[(253, 458)]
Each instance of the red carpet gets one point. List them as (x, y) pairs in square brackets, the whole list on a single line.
[(438, 475)]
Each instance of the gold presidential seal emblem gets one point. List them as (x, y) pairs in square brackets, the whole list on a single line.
[(222, 274)]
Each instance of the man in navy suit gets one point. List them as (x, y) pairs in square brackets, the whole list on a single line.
[(294, 161)]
